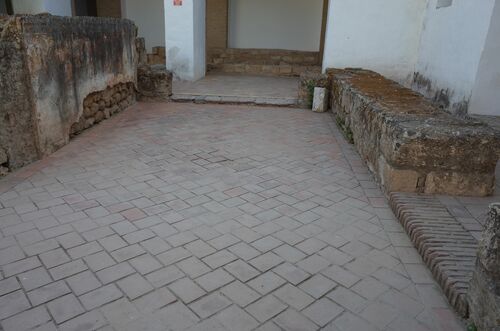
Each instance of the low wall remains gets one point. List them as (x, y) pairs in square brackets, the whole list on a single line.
[(262, 61), (410, 144), (49, 65)]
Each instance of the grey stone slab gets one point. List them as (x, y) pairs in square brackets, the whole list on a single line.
[(48, 292), (209, 305), (100, 296), (186, 290), (240, 293), (294, 321), (266, 308), (235, 318), (134, 286), (13, 303), (65, 308), (83, 282), (27, 320), (293, 296)]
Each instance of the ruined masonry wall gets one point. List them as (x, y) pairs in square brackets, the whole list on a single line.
[(48, 66)]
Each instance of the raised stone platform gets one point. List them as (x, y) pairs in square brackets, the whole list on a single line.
[(410, 144)]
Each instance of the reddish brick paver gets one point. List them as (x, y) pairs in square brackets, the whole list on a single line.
[(209, 217), (448, 249)]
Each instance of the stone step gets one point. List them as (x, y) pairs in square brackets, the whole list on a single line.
[(230, 99)]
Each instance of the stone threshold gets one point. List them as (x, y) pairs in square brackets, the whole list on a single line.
[(231, 99), (447, 248)]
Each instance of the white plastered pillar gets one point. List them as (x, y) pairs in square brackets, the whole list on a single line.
[(185, 38)]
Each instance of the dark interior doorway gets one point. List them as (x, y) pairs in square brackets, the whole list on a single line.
[(85, 7), (6, 7)]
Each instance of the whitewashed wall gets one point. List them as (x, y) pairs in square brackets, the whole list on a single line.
[(185, 39), (381, 35), (453, 39), (57, 7), (148, 16), (54, 7), (275, 24), (486, 94)]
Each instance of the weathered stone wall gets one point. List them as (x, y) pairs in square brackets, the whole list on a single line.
[(262, 61), (484, 291), (154, 83), (18, 135), (49, 65), (102, 105), (409, 143)]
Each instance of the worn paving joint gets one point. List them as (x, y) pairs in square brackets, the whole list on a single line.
[(447, 248)]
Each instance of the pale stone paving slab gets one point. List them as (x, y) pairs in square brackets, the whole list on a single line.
[(209, 217)]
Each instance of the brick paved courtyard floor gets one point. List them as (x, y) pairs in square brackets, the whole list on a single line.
[(208, 217)]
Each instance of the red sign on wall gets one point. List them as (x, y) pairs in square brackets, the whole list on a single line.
[(177, 2)]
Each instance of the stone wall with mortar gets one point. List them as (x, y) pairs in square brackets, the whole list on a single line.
[(48, 66), (262, 61), (408, 142)]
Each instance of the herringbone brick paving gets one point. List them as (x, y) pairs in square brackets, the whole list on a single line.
[(208, 217)]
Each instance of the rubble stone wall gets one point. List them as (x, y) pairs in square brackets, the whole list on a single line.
[(484, 290), (102, 105), (410, 144), (262, 61), (48, 66)]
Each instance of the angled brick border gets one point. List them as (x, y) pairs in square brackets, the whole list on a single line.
[(448, 249)]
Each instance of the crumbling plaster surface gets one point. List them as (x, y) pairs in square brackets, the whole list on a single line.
[(69, 58), (451, 44), (58, 61)]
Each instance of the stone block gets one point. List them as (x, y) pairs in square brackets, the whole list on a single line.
[(154, 83), (320, 100), (43, 101)]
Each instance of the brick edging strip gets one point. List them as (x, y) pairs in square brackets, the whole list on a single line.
[(446, 247)]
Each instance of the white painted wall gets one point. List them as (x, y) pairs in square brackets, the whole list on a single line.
[(27, 7), (54, 7), (486, 94), (452, 42), (58, 7), (148, 16), (381, 35), (275, 24), (185, 38)]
